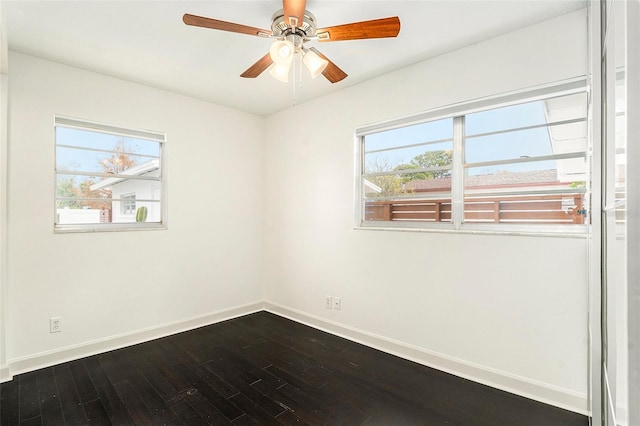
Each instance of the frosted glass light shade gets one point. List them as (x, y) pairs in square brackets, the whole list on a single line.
[(281, 51), (281, 71), (314, 63)]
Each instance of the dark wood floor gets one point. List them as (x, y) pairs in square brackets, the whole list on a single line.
[(259, 369)]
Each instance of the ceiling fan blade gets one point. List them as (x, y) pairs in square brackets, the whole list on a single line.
[(332, 72), (200, 21), (256, 69), (377, 28), (294, 9)]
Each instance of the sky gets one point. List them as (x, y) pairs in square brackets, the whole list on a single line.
[(505, 146), (88, 160)]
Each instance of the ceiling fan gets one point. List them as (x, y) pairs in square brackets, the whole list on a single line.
[(292, 27)]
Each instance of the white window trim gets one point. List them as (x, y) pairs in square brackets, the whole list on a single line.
[(82, 124), (457, 112)]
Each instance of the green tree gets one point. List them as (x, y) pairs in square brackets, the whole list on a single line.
[(427, 160), (393, 183), (67, 188)]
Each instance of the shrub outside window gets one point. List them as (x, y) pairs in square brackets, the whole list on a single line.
[(512, 163), (104, 175)]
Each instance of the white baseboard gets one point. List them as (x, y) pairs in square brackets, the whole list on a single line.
[(5, 375), (543, 392), (622, 414), (70, 353)]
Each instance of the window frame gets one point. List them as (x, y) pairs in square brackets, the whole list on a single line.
[(92, 126), (458, 112)]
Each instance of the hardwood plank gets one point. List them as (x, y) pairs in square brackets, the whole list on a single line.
[(9, 400), (158, 407), (50, 405), (254, 410), (113, 405), (83, 382), (221, 387), (303, 405), (205, 409), (343, 407), (246, 368), (69, 399), (29, 396), (135, 405), (244, 420), (186, 414), (34, 421), (229, 372), (96, 413), (288, 418), (229, 410), (111, 368)]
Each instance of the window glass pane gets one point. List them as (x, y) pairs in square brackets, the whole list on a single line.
[(418, 157), (556, 174), (541, 112), (81, 160), (74, 190), (511, 117), (414, 134), (425, 147), (426, 210), (105, 141), (84, 213), (83, 196), (528, 209), (394, 185), (527, 193), (542, 141)]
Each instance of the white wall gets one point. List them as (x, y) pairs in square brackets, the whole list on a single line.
[(4, 70), (207, 262), (505, 310)]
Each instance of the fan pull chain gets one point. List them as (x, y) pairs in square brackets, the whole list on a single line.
[(300, 69), (293, 85), (295, 76)]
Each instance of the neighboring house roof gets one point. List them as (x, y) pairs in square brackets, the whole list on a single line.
[(502, 179), (138, 170)]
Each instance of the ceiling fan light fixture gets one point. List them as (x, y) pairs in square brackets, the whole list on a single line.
[(281, 71), (314, 63), (282, 51)]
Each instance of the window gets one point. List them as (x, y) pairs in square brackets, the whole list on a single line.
[(128, 204), (105, 176), (513, 163)]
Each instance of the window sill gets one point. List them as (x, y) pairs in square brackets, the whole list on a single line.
[(74, 229), (570, 231)]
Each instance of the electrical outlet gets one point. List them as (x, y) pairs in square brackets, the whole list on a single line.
[(328, 303), (337, 303), (55, 324)]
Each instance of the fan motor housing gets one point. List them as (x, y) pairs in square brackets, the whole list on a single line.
[(282, 29)]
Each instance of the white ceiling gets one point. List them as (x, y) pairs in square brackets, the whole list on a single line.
[(146, 41)]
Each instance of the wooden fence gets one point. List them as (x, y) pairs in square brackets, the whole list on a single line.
[(547, 209)]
